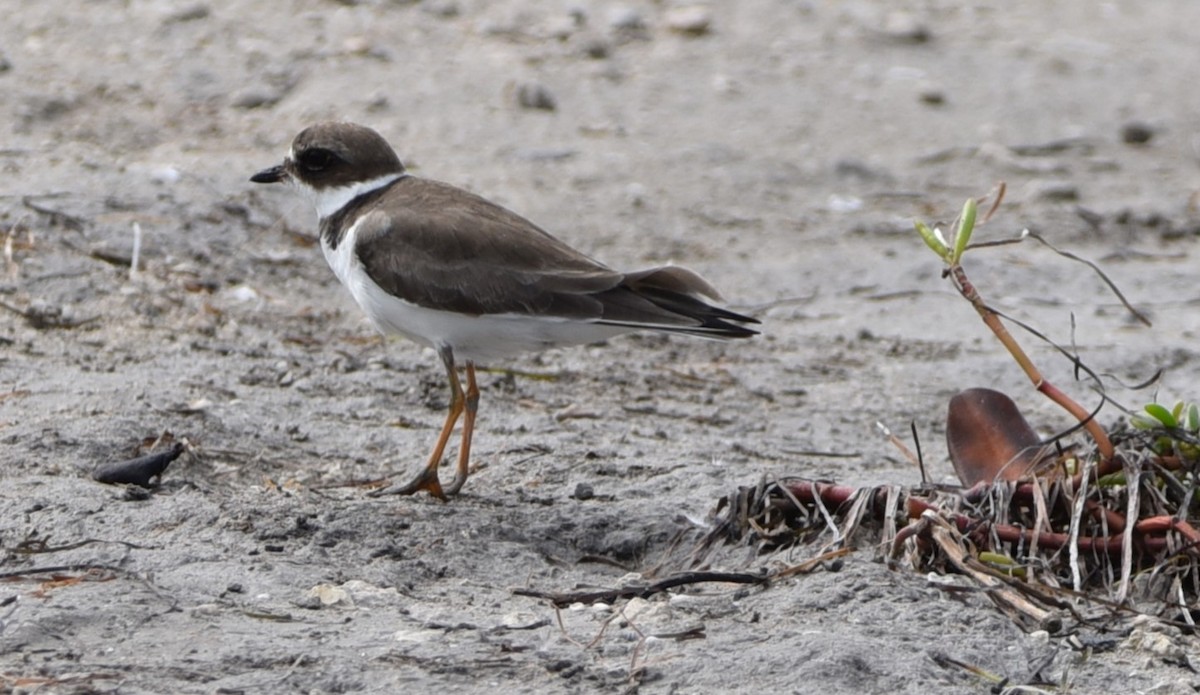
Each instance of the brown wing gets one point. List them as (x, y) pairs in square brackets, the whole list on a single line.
[(448, 249)]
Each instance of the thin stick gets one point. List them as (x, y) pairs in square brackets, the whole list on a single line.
[(612, 595), (1076, 522), (1133, 486), (137, 252)]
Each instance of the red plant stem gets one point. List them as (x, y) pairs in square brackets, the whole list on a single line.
[(830, 494), (1151, 532), (1111, 544), (1103, 444), (1114, 520), (1162, 524), (1023, 494)]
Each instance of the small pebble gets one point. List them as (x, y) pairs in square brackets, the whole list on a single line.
[(446, 9), (691, 20), (165, 174), (356, 45), (188, 13), (46, 108), (328, 595), (521, 620), (905, 28), (378, 103), (132, 493), (254, 99), (595, 48), (308, 603), (583, 491), (1055, 191), (534, 95), (561, 28), (635, 194), (933, 96), (1136, 133), (243, 293), (625, 19), (205, 610)]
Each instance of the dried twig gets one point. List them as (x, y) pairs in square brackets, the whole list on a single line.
[(613, 595)]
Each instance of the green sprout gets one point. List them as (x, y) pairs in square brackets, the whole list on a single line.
[(1177, 428), (951, 252)]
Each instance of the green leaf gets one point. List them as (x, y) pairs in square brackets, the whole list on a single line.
[(1002, 563), (932, 240), (1141, 421), (1160, 413), (996, 559), (1191, 421), (962, 231)]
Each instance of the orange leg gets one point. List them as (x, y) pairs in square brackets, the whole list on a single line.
[(471, 406), (427, 479)]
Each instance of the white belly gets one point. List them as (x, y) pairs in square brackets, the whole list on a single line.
[(473, 338)]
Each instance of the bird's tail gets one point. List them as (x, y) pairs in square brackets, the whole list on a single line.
[(672, 299)]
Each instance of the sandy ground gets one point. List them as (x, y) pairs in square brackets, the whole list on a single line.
[(782, 152)]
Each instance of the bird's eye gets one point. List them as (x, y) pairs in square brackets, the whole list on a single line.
[(315, 159)]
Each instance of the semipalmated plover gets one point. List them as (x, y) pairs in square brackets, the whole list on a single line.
[(468, 278)]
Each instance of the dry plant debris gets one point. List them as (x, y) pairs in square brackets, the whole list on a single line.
[(1091, 535)]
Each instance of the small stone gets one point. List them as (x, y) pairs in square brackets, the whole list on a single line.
[(188, 13), (904, 27), (243, 293), (366, 595), (535, 95), (635, 194), (328, 595), (308, 603), (46, 108), (595, 48), (205, 610), (579, 14), (1136, 133), (445, 9), (521, 620), (583, 491), (933, 96), (255, 99), (1057, 191), (356, 45), (843, 204), (625, 19), (378, 103), (561, 28), (691, 20), (165, 174)]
